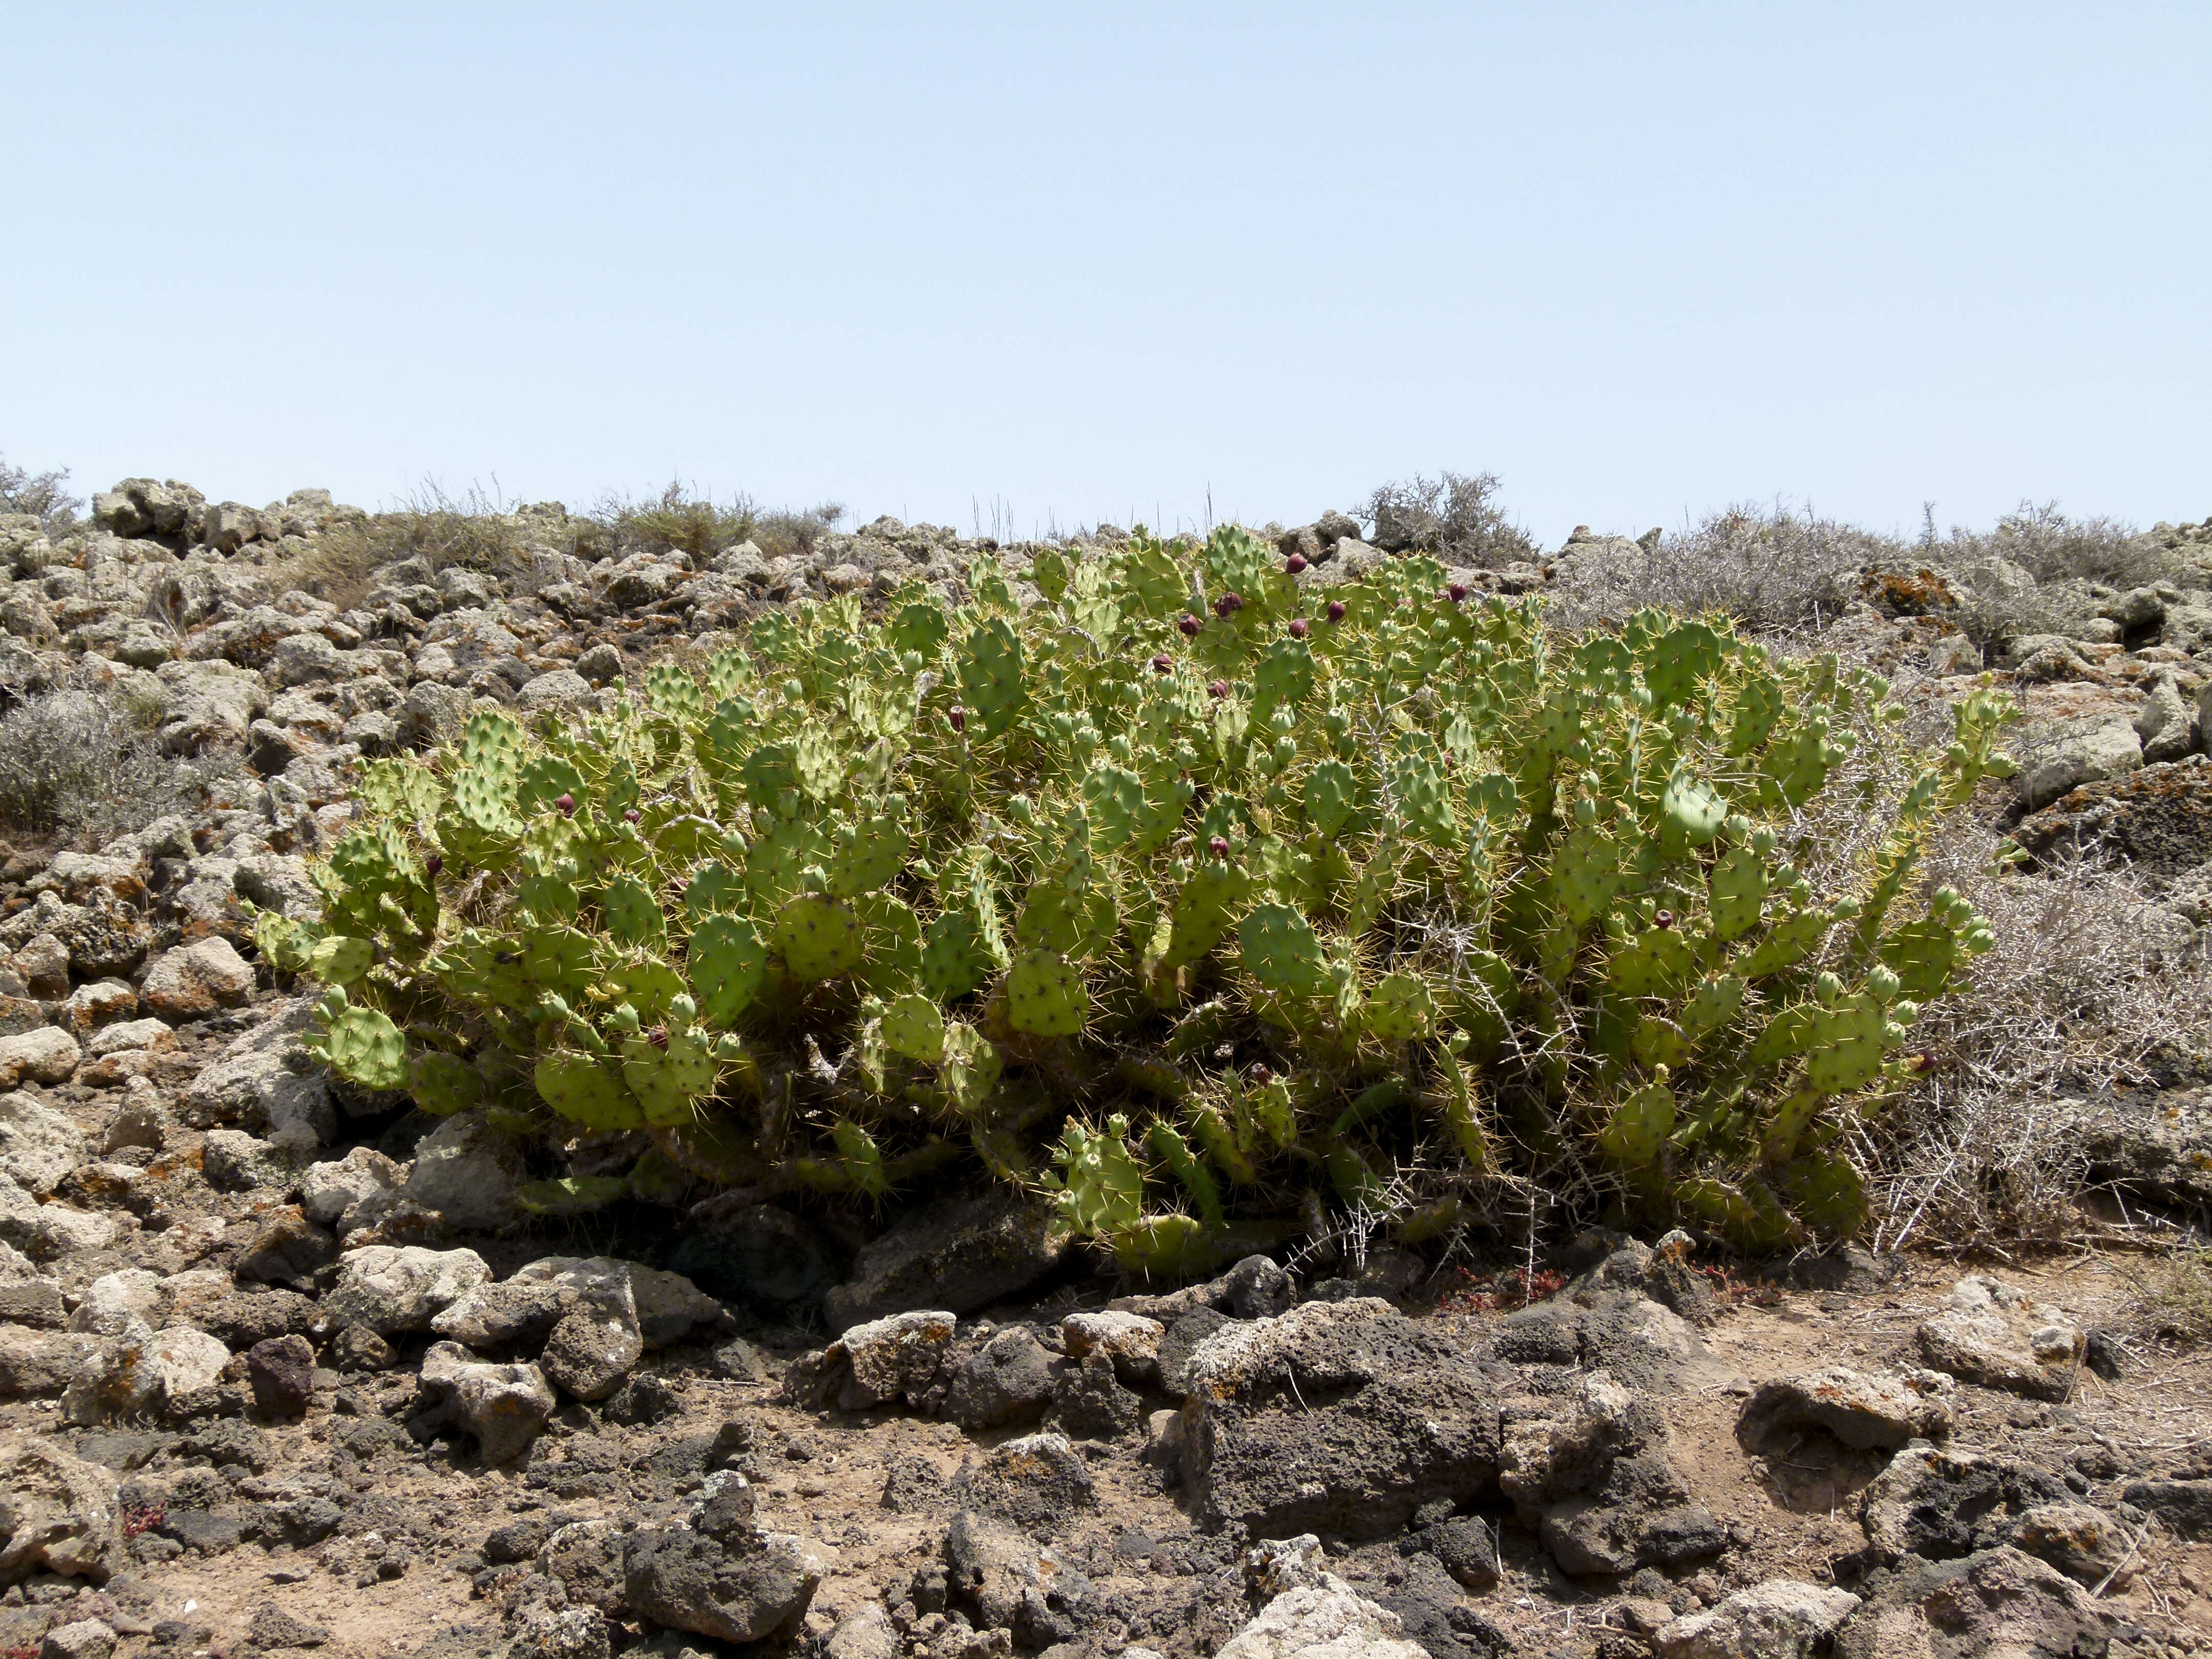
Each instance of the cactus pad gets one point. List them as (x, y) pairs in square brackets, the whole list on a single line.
[(1400, 1009), (1045, 996), (818, 937)]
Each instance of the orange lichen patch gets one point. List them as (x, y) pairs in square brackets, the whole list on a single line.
[(1907, 593)]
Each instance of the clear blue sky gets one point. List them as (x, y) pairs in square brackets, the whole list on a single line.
[(1641, 261)]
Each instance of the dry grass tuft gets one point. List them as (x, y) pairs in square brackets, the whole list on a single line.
[(2173, 1300)]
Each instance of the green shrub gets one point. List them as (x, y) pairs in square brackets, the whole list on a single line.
[(1189, 896)]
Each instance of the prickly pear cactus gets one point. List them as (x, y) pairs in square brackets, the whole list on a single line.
[(1377, 894)]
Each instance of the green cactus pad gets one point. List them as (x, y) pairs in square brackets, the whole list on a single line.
[(954, 958), (912, 1025), (571, 1195), (364, 1046), (543, 781), (1737, 887), (1278, 949), (874, 856), (1045, 996), (1693, 810), (971, 1066), (1101, 1184), (633, 914), (338, 960), (443, 1083), (1638, 1127), (714, 890), (725, 961), (1332, 795), (991, 677), (668, 1078), (1400, 1008), (817, 937), (1203, 911)]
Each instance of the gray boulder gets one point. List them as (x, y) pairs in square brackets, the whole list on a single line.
[(467, 1173), (1325, 1620), (1862, 1412), (264, 1080), (57, 1514), (1781, 1618), (1012, 1583), (505, 1406), (2061, 755), (1342, 1417), (1995, 1601), (38, 1145), (1994, 1335), (390, 1288)]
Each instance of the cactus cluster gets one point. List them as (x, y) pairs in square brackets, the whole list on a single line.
[(1191, 895)]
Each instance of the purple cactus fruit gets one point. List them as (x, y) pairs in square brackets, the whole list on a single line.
[(1299, 627), (1263, 1073), (1664, 919), (1228, 604), (957, 717), (631, 815), (1217, 689), (1163, 664), (1336, 612), (435, 864), (1457, 593), (1190, 625), (1220, 847), (567, 803), (1295, 563), (658, 1036)]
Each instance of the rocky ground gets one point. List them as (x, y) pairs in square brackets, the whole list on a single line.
[(282, 1367)]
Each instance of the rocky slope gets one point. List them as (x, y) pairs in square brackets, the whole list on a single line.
[(285, 1367)]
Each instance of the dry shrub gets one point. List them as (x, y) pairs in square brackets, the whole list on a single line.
[(2091, 988), (1770, 567), (1454, 516), (785, 534), (43, 495), (2052, 548), (79, 765)]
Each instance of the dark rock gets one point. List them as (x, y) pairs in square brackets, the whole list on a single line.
[(271, 1626), (518, 1540), (681, 1578), (1942, 1505), (1182, 1341), (1039, 1483), (1255, 1288), (2156, 1147), (912, 1485), (357, 1348), (1995, 1600), (36, 1302), (2185, 1506), (1091, 1402), (1338, 1417), (288, 1250), (759, 1256), (1006, 1379), (2158, 818), (1012, 1583), (300, 1521), (282, 1373), (645, 1398), (211, 1532), (589, 1560), (1466, 1549), (958, 1255), (245, 1318)]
